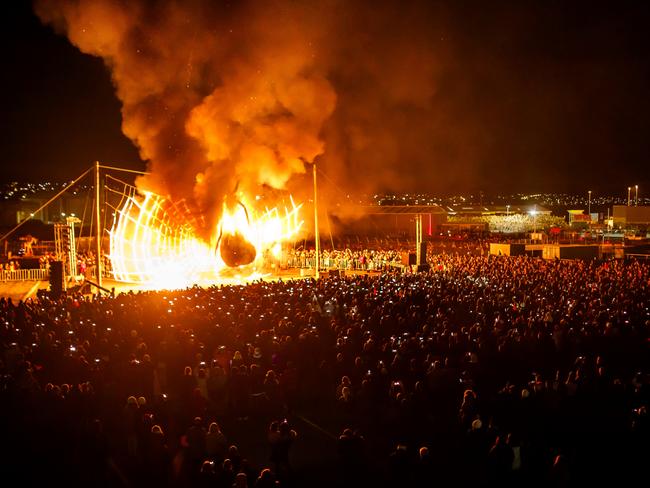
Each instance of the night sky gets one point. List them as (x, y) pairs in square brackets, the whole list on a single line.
[(532, 96)]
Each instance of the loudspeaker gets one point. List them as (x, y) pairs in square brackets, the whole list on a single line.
[(56, 278), (517, 249), (423, 252), (408, 258)]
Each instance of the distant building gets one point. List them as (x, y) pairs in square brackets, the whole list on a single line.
[(579, 217), (480, 210), (624, 215)]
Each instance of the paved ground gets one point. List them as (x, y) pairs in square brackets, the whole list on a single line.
[(21, 290)]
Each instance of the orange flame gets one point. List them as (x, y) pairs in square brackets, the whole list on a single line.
[(153, 243)]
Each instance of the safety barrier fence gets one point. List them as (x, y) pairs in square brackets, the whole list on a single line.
[(38, 274), (342, 264)]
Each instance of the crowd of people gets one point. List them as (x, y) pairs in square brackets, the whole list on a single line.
[(346, 259), (485, 371), (379, 258), (10, 265), (85, 260), (515, 223)]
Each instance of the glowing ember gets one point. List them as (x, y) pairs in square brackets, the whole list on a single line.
[(153, 242)]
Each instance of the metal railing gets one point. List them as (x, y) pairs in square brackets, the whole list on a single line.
[(39, 274), (91, 272), (341, 263)]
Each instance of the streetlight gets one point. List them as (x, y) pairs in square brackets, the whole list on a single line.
[(507, 210), (629, 188), (636, 195), (589, 211)]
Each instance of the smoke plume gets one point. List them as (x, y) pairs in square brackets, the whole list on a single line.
[(248, 93)]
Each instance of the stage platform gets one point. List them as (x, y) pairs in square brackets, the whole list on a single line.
[(21, 290)]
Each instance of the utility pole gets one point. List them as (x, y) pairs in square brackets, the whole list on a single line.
[(98, 233), (316, 234)]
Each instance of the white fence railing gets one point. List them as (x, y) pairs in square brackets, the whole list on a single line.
[(24, 275)]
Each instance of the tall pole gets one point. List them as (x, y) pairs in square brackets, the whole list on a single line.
[(629, 188), (316, 234), (418, 240), (98, 227), (636, 195), (589, 211)]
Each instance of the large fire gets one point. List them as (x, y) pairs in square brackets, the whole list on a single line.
[(154, 242)]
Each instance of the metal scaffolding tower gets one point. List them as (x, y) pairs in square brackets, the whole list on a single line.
[(65, 247)]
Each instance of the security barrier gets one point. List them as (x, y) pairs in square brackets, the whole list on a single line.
[(38, 274)]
